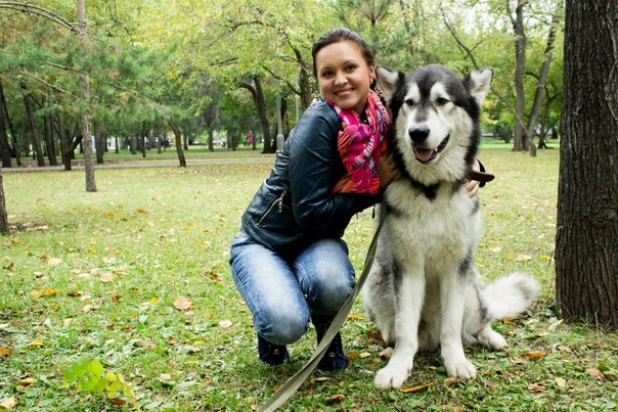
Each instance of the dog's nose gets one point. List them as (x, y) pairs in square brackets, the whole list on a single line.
[(418, 134)]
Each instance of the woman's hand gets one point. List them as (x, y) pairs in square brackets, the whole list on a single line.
[(387, 169), (472, 186)]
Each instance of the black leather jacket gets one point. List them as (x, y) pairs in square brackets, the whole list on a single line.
[(295, 205)]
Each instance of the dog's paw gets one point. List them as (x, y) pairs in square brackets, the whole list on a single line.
[(492, 339), (390, 377), (460, 369)]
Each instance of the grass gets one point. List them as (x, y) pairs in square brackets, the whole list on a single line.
[(97, 275)]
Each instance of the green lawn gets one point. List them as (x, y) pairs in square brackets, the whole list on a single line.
[(99, 276)]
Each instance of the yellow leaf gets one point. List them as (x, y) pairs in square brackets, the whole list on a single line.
[(533, 354), (191, 348), (27, 381), (416, 388), (182, 303), (154, 301), (108, 215), (91, 250), (225, 324), (8, 403), (36, 342), (141, 210), (5, 352), (335, 398), (355, 317), (50, 292), (561, 382), (35, 295)]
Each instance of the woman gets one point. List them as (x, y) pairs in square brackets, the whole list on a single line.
[(289, 261)]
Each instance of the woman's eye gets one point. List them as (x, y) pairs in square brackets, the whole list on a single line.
[(441, 101), (350, 69)]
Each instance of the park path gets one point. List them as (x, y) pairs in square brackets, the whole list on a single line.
[(144, 164)]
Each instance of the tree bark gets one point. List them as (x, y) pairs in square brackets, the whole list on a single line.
[(9, 127), (178, 142), (99, 138), (5, 148), (50, 140), (4, 221), (521, 142), (587, 232), (36, 141), (87, 136), (260, 105)]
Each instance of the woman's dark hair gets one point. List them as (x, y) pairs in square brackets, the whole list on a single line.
[(338, 35)]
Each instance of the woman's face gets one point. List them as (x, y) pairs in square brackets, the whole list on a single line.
[(343, 75)]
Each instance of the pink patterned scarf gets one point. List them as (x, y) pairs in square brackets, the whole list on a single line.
[(361, 145)]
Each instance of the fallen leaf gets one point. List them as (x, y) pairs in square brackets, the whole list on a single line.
[(523, 258), (49, 291), (5, 351), (8, 403), (533, 354), (355, 317), (561, 382), (595, 373), (54, 261), (89, 308), (375, 336), (67, 322), (386, 353), (27, 381), (496, 249), (36, 342), (450, 381), (191, 348), (117, 401), (535, 387), (182, 303), (416, 388), (335, 398), (165, 377), (145, 344), (107, 277), (225, 324), (35, 295), (554, 325)]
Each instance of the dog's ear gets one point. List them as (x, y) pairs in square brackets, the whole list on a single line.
[(387, 82), (478, 84)]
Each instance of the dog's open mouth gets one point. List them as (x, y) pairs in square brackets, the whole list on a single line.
[(427, 155)]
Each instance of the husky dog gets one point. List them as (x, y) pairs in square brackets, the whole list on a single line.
[(422, 289)]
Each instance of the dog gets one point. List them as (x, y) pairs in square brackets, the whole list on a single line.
[(422, 290)]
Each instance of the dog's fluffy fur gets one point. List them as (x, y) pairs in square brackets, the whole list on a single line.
[(422, 290)]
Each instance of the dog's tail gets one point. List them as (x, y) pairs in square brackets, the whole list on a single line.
[(510, 295)]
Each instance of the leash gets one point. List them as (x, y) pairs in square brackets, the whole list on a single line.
[(280, 397)]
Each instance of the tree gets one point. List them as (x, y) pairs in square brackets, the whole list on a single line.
[(587, 233), (4, 222)]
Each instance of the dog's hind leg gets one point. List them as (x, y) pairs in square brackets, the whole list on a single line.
[(491, 339), (452, 302), (409, 296)]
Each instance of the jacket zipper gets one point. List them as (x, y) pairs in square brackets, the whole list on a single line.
[(279, 200)]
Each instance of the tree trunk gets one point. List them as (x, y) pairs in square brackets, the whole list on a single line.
[(260, 105), (66, 146), (587, 233), (4, 221), (50, 140), (521, 142), (99, 138), (9, 126), (36, 142), (86, 136), (178, 142), (538, 96), (5, 148)]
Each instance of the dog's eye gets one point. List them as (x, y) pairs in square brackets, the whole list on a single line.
[(409, 102), (441, 101)]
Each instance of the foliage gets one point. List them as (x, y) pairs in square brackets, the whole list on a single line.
[(90, 376)]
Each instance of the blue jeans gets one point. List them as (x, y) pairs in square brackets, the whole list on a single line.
[(285, 292)]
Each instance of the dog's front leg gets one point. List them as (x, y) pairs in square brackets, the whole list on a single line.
[(452, 301), (409, 295)]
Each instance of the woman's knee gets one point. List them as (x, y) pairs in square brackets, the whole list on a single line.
[(282, 327)]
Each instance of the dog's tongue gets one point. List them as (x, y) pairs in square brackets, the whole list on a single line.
[(423, 155)]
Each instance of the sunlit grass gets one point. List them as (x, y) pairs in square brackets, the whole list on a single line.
[(164, 233)]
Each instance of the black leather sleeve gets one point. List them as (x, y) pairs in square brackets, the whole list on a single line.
[(314, 167)]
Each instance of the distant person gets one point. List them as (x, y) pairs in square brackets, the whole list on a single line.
[(250, 138)]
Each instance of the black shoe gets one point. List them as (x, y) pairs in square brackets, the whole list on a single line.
[(334, 358), (270, 353)]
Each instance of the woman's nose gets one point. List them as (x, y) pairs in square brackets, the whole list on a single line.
[(340, 78)]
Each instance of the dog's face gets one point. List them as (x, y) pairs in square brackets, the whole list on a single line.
[(434, 112)]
